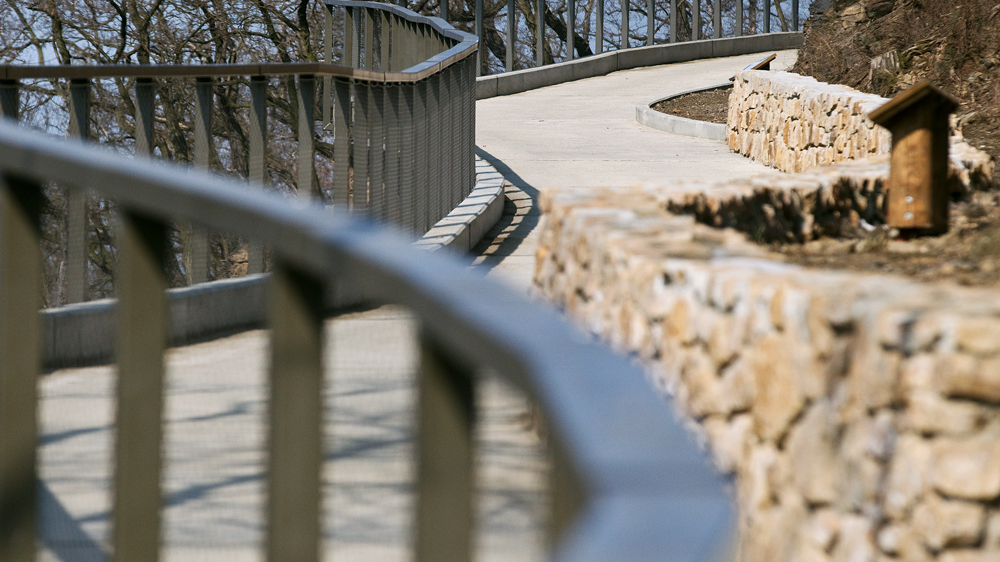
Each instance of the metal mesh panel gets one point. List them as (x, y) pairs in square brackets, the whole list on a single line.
[(393, 142), (342, 142), (421, 162), (407, 172), (436, 185), (376, 158), (362, 130)]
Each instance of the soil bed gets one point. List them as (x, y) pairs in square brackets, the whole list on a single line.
[(969, 253), (711, 106)]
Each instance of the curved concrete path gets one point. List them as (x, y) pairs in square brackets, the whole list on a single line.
[(576, 134), (584, 134)]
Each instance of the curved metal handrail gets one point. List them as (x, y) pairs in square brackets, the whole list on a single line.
[(639, 489)]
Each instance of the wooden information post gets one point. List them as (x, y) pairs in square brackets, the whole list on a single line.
[(918, 176)]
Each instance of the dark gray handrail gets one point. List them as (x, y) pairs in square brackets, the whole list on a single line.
[(629, 484)]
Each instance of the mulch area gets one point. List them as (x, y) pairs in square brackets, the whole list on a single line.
[(711, 106)]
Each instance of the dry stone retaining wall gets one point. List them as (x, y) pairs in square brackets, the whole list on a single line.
[(859, 414), (795, 123)]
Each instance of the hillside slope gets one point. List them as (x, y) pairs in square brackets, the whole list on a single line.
[(885, 46)]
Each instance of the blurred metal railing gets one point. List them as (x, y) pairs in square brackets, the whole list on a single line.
[(647, 10), (400, 104), (626, 482)]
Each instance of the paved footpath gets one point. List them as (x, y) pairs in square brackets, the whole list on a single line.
[(584, 134), (577, 134)]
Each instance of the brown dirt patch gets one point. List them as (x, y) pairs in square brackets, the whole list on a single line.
[(711, 106), (968, 254)]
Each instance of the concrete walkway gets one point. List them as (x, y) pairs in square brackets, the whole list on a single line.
[(577, 134), (584, 134)]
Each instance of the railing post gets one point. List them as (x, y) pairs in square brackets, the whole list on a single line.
[(77, 199), (453, 164), (540, 33), (421, 181), (10, 99), (204, 104), (394, 131), (407, 151), (295, 442), (145, 103), (307, 123), (673, 20), (355, 37), (258, 159), (21, 365), (435, 179), (142, 340), (625, 24), (717, 19), (346, 58), (570, 28), (795, 15), (445, 468), (385, 34), (342, 142), (328, 59), (696, 20), (444, 10), (650, 22), (482, 56), (511, 21), (599, 42), (362, 150), (767, 16), (739, 18), (369, 39), (376, 158), (470, 135)]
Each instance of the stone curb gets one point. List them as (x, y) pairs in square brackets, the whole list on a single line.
[(606, 63), (653, 119), (83, 334)]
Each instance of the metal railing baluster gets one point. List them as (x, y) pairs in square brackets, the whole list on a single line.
[(511, 22), (650, 22), (77, 199), (10, 98), (739, 18), (625, 24), (393, 138), (599, 32), (203, 148), (408, 143), (767, 17), (453, 149), (435, 179), (445, 470), (717, 19), (673, 21), (385, 33), (795, 15), (342, 142), (696, 20), (444, 10), (570, 28), (362, 151), (327, 58), (258, 159), (376, 159), (21, 365), (145, 103), (369, 39), (141, 343), (295, 442), (421, 151), (305, 186), (482, 55), (347, 58), (540, 33), (469, 146)]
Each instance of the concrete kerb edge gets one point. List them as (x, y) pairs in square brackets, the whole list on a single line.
[(84, 334), (653, 119), (599, 65)]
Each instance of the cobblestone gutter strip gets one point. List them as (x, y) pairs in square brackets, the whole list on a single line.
[(859, 414), (794, 123)]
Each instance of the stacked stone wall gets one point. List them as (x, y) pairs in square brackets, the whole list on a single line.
[(795, 123), (859, 414)]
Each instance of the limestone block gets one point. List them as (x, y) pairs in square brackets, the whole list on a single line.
[(909, 475), (961, 376), (968, 555), (967, 468), (855, 543), (903, 543), (992, 539), (928, 413), (779, 397), (730, 441), (978, 335), (815, 465), (944, 523)]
